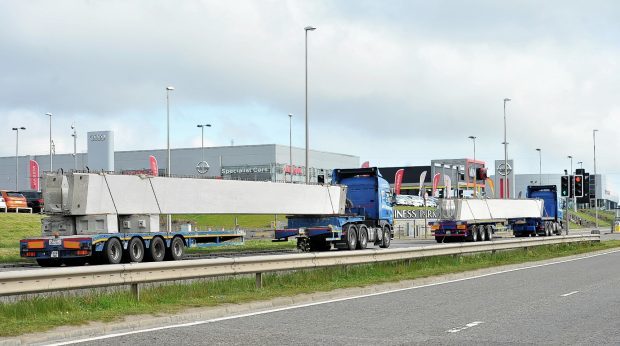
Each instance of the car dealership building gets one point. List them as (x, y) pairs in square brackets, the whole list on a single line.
[(265, 162)]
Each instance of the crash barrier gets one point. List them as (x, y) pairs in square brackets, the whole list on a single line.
[(134, 274)]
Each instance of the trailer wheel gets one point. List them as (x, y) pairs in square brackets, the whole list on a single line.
[(387, 237), (362, 242), (439, 239), (45, 262), (157, 250), (351, 237), (481, 233), (488, 233), (135, 250), (176, 250), (113, 251), (473, 234)]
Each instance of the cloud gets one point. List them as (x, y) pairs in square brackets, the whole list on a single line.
[(394, 81)]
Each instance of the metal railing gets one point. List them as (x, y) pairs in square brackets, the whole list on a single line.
[(58, 279)]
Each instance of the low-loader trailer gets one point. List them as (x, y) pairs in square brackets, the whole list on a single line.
[(108, 218), (478, 219)]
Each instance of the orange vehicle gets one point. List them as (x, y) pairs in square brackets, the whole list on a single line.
[(14, 200)]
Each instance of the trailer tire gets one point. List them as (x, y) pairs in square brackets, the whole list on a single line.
[(387, 237), (157, 250), (439, 239), (362, 237), (176, 250), (113, 251), (46, 262), (135, 250), (351, 237), (481, 235), (488, 233), (473, 234)]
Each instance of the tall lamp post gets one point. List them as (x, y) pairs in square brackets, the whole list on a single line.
[(168, 90), (580, 163), (306, 29), (290, 145), (473, 138), (202, 142), (505, 153), (51, 165), (74, 135), (596, 183), (16, 129), (539, 165)]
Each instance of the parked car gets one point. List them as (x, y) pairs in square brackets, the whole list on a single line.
[(14, 199), (2, 204), (34, 199)]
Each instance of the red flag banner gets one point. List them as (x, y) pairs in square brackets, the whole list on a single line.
[(398, 180), (34, 175), (153, 164), (366, 164), (435, 183)]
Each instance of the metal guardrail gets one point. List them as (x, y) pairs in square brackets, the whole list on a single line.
[(58, 279)]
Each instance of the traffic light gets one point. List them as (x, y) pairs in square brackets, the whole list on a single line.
[(565, 186), (578, 186)]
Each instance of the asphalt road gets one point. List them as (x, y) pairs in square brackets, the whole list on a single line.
[(569, 302)]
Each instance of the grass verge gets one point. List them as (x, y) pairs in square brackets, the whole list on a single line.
[(41, 314), (14, 227), (248, 245)]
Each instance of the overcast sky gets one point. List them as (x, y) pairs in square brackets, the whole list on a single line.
[(394, 82)]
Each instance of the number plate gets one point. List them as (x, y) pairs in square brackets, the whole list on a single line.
[(55, 241), (54, 254)]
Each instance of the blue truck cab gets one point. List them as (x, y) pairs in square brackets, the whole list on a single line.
[(551, 222), (368, 216)]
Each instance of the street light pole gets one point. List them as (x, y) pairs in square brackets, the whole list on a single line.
[(16, 129), (539, 165), (290, 145), (580, 163), (51, 165), (74, 135), (596, 182), (168, 89), (306, 29), (202, 142), (505, 153), (473, 138)]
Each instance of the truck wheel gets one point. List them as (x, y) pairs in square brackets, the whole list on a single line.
[(303, 244), (362, 242), (488, 233), (45, 262), (351, 237), (176, 250), (113, 251), (387, 237), (473, 234), (157, 250), (481, 235), (135, 250), (439, 239)]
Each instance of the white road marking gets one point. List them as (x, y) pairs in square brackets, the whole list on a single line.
[(467, 326), (101, 337), (568, 294)]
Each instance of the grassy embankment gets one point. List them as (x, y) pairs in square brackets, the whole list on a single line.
[(14, 227), (44, 313)]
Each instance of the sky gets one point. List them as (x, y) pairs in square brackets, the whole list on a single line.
[(393, 82)]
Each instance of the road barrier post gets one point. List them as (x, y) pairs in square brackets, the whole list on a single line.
[(135, 291), (259, 280)]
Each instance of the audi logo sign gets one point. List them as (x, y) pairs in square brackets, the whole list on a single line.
[(97, 137)]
